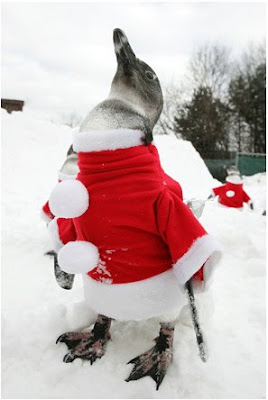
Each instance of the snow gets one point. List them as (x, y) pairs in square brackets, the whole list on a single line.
[(35, 310), (181, 161)]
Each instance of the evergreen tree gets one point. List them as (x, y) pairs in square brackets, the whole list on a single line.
[(247, 97), (204, 120)]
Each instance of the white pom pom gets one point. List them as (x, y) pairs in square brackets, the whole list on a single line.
[(230, 193), (78, 257), (69, 199)]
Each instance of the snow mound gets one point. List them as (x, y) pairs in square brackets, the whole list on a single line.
[(255, 187), (35, 310), (183, 163)]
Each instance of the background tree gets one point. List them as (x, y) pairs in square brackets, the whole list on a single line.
[(247, 99), (210, 66), (172, 94), (204, 121), (239, 106)]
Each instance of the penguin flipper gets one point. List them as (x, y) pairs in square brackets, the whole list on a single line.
[(64, 280)]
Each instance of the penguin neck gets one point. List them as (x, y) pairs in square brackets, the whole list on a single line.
[(114, 114)]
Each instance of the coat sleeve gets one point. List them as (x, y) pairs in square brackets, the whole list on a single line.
[(246, 198), (61, 231), (217, 191), (46, 213), (190, 246), (173, 186)]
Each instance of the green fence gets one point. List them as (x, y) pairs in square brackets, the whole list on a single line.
[(217, 167), (250, 164), (247, 163)]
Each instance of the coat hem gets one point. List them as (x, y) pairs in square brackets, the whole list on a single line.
[(148, 298), (203, 249)]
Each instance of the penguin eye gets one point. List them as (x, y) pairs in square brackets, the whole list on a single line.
[(150, 75)]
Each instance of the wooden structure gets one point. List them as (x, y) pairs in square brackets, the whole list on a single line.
[(12, 105)]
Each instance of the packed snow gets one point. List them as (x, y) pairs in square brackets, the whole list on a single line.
[(35, 310)]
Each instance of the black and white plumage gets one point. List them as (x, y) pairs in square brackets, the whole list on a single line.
[(135, 102)]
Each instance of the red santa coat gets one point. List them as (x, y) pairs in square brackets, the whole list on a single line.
[(232, 195), (131, 236)]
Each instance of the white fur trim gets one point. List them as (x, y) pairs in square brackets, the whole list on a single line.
[(69, 199), (235, 179), (201, 250), (45, 217), (152, 297), (78, 257), (230, 193), (107, 140), (53, 230)]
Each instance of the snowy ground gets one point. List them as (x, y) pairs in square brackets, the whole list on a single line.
[(35, 311)]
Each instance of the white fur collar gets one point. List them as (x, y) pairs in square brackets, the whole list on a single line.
[(107, 140)]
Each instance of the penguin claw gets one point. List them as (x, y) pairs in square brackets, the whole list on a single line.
[(69, 357), (72, 339), (61, 338)]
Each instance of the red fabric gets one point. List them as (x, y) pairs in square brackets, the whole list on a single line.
[(199, 275), (246, 197), (236, 200), (67, 230), (47, 211), (173, 186), (136, 216)]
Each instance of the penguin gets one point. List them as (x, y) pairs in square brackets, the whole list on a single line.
[(132, 238), (232, 194)]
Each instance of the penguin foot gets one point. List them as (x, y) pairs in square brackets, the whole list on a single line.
[(154, 362), (87, 345)]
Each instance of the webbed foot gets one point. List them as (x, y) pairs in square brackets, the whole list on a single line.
[(155, 362), (87, 345)]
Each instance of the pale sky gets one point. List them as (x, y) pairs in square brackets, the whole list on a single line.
[(59, 57)]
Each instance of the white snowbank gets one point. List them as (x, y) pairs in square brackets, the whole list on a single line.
[(35, 310), (182, 162)]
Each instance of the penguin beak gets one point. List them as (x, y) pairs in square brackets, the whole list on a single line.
[(124, 53)]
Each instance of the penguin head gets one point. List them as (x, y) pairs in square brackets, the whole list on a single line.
[(234, 178), (135, 83)]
